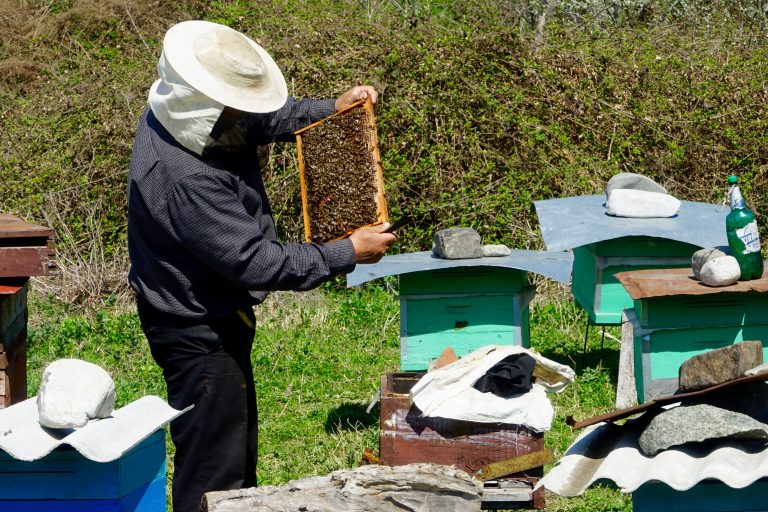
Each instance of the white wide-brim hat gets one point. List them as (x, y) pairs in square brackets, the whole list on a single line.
[(225, 65)]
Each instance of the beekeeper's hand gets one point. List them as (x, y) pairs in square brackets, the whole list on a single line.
[(371, 243), (357, 93)]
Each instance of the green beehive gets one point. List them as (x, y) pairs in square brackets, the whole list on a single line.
[(595, 286), (675, 317), (604, 245), (462, 304)]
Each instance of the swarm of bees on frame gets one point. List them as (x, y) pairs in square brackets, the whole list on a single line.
[(340, 175)]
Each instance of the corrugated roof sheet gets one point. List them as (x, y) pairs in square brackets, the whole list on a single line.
[(102, 440), (571, 222), (611, 452), (554, 265)]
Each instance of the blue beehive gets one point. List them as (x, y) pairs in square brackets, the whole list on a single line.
[(114, 464), (604, 245), (64, 481), (463, 304)]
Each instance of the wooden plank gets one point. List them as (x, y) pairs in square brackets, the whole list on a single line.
[(644, 284), (636, 409), (26, 261), (13, 227)]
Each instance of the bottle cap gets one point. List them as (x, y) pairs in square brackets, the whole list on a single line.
[(732, 180)]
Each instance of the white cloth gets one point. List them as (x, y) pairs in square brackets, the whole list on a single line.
[(185, 112), (448, 393)]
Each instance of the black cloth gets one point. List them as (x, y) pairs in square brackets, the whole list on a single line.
[(201, 237), (511, 376), (207, 364)]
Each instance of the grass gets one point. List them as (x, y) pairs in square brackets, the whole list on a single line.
[(318, 358)]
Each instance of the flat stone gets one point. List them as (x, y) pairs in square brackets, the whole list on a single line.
[(495, 250), (720, 365), (631, 180), (697, 423), (457, 244), (722, 271), (372, 488), (72, 392), (702, 256), (625, 202)]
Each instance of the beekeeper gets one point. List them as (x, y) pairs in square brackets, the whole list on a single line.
[(202, 241)]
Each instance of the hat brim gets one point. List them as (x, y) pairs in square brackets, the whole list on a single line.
[(179, 51)]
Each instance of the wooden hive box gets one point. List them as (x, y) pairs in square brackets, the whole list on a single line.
[(595, 266), (407, 437), (463, 308), (25, 250), (342, 185), (65, 481), (676, 317)]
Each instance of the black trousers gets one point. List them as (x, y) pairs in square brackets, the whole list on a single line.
[(207, 364)]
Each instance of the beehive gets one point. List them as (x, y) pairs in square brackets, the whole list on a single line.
[(675, 317), (25, 250), (342, 185), (409, 437), (66, 481)]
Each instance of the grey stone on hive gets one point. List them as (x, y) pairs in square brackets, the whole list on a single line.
[(702, 256), (697, 423), (373, 488), (457, 244), (720, 365), (491, 250), (634, 181)]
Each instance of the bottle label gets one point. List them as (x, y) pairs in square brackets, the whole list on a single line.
[(748, 235)]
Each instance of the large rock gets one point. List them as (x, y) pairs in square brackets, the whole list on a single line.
[(457, 244), (723, 271), (72, 392), (702, 256), (719, 365), (374, 488), (624, 202), (634, 181), (697, 423)]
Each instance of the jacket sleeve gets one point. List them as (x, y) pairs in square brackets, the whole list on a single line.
[(280, 124), (210, 221)]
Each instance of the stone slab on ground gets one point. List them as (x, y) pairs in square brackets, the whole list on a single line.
[(372, 488)]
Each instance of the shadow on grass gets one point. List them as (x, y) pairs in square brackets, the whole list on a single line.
[(351, 417)]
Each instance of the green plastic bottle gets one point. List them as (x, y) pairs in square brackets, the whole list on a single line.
[(743, 238)]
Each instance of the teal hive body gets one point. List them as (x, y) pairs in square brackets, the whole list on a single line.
[(462, 308), (709, 495), (595, 286), (462, 304), (65, 481), (686, 318)]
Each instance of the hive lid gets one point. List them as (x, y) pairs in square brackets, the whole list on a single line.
[(571, 222), (555, 265), (663, 282), (335, 206), (13, 227), (104, 440)]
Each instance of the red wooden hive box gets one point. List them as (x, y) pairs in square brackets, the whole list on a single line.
[(25, 250), (408, 437)]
